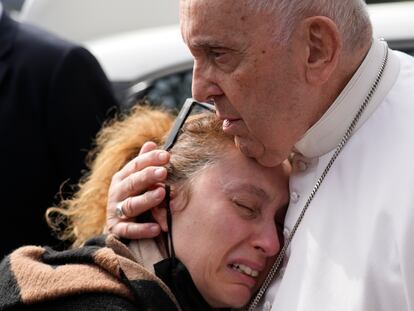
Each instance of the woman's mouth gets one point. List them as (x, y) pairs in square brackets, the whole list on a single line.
[(243, 274), (245, 270)]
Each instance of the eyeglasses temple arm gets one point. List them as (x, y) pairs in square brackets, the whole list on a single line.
[(179, 121)]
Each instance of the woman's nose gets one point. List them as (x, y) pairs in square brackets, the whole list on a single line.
[(267, 241)]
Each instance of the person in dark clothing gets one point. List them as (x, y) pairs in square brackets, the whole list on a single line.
[(221, 227), (54, 97)]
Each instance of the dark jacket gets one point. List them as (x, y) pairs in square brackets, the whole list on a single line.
[(54, 97), (102, 275)]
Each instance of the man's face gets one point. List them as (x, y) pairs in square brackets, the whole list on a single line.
[(257, 84)]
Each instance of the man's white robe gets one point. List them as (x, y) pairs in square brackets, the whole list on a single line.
[(354, 250)]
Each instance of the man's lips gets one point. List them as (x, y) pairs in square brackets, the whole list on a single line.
[(231, 126)]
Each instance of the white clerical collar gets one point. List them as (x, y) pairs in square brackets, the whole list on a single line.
[(326, 134), (1, 10)]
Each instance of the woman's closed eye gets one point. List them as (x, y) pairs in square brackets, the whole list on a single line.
[(248, 209)]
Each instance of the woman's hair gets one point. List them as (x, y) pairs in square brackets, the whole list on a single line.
[(200, 144)]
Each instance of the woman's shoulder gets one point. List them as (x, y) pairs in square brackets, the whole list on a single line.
[(32, 275), (104, 266)]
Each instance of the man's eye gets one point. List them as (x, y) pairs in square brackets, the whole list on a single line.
[(219, 56), (216, 54)]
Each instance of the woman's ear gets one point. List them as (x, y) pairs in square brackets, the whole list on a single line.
[(160, 215), (323, 46), (176, 205)]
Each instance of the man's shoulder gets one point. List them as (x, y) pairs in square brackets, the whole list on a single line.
[(42, 41), (402, 90), (50, 50), (406, 65)]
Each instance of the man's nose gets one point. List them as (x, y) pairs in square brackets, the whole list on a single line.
[(205, 86)]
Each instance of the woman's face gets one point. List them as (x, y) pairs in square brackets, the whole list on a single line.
[(227, 234)]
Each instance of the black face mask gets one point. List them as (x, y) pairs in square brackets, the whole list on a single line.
[(176, 276)]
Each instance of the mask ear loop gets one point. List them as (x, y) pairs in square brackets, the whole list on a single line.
[(170, 248)]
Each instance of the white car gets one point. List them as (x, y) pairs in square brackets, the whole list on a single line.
[(84, 20), (153, 62), (156, 64)]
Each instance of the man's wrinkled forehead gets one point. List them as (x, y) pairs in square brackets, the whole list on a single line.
[(215, 18), (216, 10)]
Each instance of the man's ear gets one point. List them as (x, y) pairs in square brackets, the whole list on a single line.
[(160, 215), (323, 48)]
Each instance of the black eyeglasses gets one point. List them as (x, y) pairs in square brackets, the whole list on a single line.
[(185, 111)]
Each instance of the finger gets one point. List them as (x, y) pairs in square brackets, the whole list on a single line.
[(148, 146), (134, 206), (132, 230), (151, 158), (137, 183)]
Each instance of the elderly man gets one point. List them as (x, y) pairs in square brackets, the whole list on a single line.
[(306, 77)]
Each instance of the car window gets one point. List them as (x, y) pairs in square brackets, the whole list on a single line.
[(169, 91)]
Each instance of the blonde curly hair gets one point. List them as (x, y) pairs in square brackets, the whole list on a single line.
[(84, 215)]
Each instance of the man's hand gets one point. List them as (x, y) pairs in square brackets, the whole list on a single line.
[(129, 189)]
